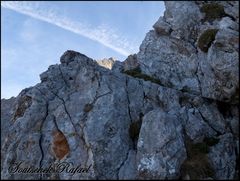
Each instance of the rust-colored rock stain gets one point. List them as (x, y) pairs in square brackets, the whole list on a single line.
[(60, 145)]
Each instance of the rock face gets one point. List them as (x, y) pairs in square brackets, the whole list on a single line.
[(7, 112), (194, 48), (168, 112), (161, 151)]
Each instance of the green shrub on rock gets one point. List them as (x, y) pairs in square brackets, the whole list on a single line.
[(197, 165), (211, 141), (213, 11), (137, 73), (206, 39)]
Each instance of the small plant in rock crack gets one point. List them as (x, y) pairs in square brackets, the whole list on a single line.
[(39, 130), (87, 107), (72, 134)]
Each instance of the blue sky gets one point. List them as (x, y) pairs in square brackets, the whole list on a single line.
[(35, 34)]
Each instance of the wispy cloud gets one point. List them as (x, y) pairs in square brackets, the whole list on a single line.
[(103, 34)]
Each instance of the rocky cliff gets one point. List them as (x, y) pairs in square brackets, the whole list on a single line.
[(168, 112)]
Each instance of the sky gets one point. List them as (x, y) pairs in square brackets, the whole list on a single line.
[(35, 34)]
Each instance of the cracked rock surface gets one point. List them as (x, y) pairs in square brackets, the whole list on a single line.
[(118, 125), (171, 51)]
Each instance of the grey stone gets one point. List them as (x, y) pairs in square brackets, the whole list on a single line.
[(183, 18), (161, 27), (177, 61), (131, 62), (196, 128), (7, 112), (128, 171), (161, 148), (90, 113), (223, 157)]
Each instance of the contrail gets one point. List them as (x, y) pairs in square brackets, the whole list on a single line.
[(102, 34)]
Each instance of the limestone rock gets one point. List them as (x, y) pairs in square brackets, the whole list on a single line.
[(119, 125), (223, 157), (128, 170), (107, 63), (161, 27), (184, 18), (161, 148), (7, 112), (131, 62), (177, 60), (108, 130)]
